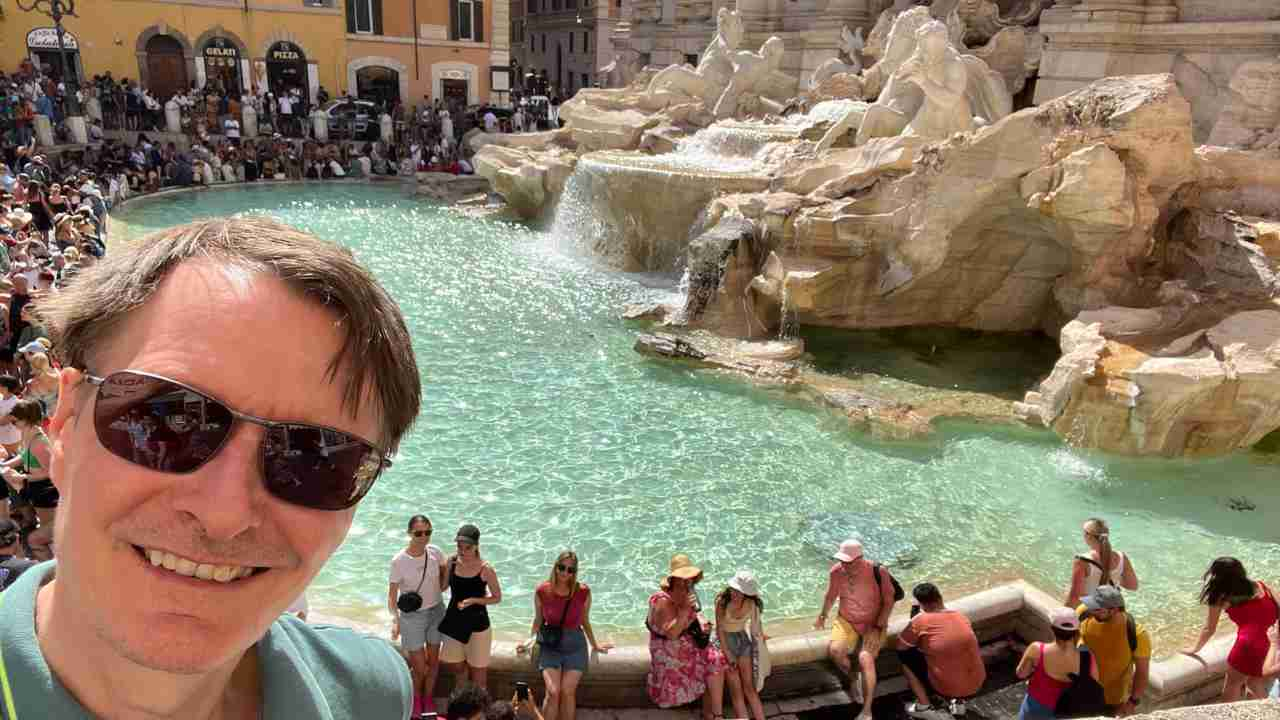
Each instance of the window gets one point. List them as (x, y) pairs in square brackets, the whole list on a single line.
[(464, 19), (544, 42), (570, 43), (360, 16), (586, 80), (586, 44), (692, 59)]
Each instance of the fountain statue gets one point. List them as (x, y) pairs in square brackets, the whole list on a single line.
[(850, 60), (934, 93), (715, 69), (751, 71)]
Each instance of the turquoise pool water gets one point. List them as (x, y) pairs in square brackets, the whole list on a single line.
[(543, 427)]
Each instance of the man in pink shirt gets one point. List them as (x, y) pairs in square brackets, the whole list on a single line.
[(859, 625)]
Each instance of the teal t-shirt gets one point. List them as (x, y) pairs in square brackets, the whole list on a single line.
[(308, 671)]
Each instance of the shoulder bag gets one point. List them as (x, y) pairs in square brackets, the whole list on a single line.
[(549, 636), (412, 600)]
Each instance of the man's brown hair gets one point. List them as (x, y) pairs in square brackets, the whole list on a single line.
[(376, 353)]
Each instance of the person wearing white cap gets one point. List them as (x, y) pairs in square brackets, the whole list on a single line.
[(1050, 665), (865, 594), (742, 639)]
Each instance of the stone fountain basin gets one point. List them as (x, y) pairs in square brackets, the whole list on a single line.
[(645, 206)]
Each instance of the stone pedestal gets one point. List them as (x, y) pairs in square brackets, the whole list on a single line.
[(250, 121), (386, 128), (44, 130), (79, 131), (173, 118), (93, 109), (320, 126), (1125, 11)]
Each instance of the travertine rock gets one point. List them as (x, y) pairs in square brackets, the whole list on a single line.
[(1253, 108), (529, 180)]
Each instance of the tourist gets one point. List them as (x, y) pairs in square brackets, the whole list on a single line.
[(10, 437), (28, 472), (683, 663), (12, 564), (1051, 665), (43, 385), (562, 629), (130, 598), (741, 637), (490, 122), (1121, 646), (940, 655), (865, 594), (473, 585), (1271, 665), (416, 607), (1100, 566), (468, 702), (1252, 607)]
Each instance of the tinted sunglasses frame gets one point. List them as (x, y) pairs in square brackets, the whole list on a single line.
[(566, 569), (421, 533), (100, 382)]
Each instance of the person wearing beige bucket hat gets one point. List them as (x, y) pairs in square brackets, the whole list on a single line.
[(683, 664), (742, 639), (865, 595)]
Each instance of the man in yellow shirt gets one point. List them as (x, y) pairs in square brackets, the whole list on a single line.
[(1121, 646)]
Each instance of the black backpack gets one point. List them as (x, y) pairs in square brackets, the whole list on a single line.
[(898, 594), (1084, 697)]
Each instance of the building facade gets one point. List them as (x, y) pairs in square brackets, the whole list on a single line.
[(562, 44), (241, 45), (411, 50)]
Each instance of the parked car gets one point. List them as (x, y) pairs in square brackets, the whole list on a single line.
[(352, 119)]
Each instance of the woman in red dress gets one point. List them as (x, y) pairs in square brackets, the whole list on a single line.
[(1253, 609)]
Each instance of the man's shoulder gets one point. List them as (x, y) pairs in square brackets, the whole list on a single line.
[(359, 675)]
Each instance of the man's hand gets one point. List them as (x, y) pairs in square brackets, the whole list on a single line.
[(872, 642), (820, 622), (1126, 708), (395, 629)]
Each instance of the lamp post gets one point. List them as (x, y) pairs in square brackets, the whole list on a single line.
[(56, 10)]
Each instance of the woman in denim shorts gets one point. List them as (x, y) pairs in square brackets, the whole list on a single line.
[(738, 630), (565, 603), (419, 568)]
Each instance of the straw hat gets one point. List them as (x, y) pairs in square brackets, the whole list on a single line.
[(681, 567)]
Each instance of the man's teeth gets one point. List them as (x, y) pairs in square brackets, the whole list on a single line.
[(183, 566)]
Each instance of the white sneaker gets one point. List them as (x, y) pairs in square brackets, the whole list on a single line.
[(926, 712), (957, 708)]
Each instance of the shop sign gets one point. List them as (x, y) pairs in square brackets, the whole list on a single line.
[(286, 52), (46, 38), (220, 48)]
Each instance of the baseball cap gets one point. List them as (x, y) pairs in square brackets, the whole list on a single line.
[(469, 533), (850, 550), (1064, 619), (1106, 597)]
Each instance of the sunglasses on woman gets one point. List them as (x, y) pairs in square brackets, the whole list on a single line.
[(422, 533), (167, 426), (567, 569)]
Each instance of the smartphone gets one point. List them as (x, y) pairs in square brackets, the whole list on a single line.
[(522, 691)]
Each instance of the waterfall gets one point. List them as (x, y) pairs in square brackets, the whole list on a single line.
[(577, 225)]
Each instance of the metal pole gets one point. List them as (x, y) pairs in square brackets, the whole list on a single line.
[(72, 105)]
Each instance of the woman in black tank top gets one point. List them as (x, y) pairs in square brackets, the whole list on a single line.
[(473, 585)]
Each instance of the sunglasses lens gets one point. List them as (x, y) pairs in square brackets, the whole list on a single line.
[(158, 424), (318, 467)]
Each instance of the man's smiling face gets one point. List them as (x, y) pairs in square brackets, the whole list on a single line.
[(256, 344)]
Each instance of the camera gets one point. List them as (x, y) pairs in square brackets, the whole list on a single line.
[(522, 691)]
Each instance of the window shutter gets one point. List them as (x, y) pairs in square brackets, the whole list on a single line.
[(477, 23), (351, 15), (453, 19), (377, 16)]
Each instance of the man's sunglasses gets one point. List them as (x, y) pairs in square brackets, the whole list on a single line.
[(166, 426), (567, 569)]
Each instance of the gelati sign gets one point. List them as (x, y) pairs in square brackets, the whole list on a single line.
[(285, 52), (46, 38), (221, 48)]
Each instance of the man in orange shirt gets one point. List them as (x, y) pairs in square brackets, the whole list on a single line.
[(865, 602), (939, 652)]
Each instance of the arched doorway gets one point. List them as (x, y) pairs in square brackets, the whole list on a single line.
[(379, 84), (222, 64), (166, 67), (287, 69)]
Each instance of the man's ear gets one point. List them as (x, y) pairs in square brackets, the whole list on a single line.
[(68, 383)]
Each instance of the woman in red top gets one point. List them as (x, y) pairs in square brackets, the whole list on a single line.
[(563, 602), (1050, 665), (1251, 606)]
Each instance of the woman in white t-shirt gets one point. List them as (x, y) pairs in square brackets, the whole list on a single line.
[(9, 435), (419, 568)]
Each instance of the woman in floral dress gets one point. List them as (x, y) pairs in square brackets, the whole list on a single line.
[(681, 670)]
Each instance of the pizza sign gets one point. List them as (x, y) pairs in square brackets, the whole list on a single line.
[(286, 52)]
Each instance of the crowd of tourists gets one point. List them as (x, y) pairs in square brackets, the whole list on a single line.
[(1097, 663)]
